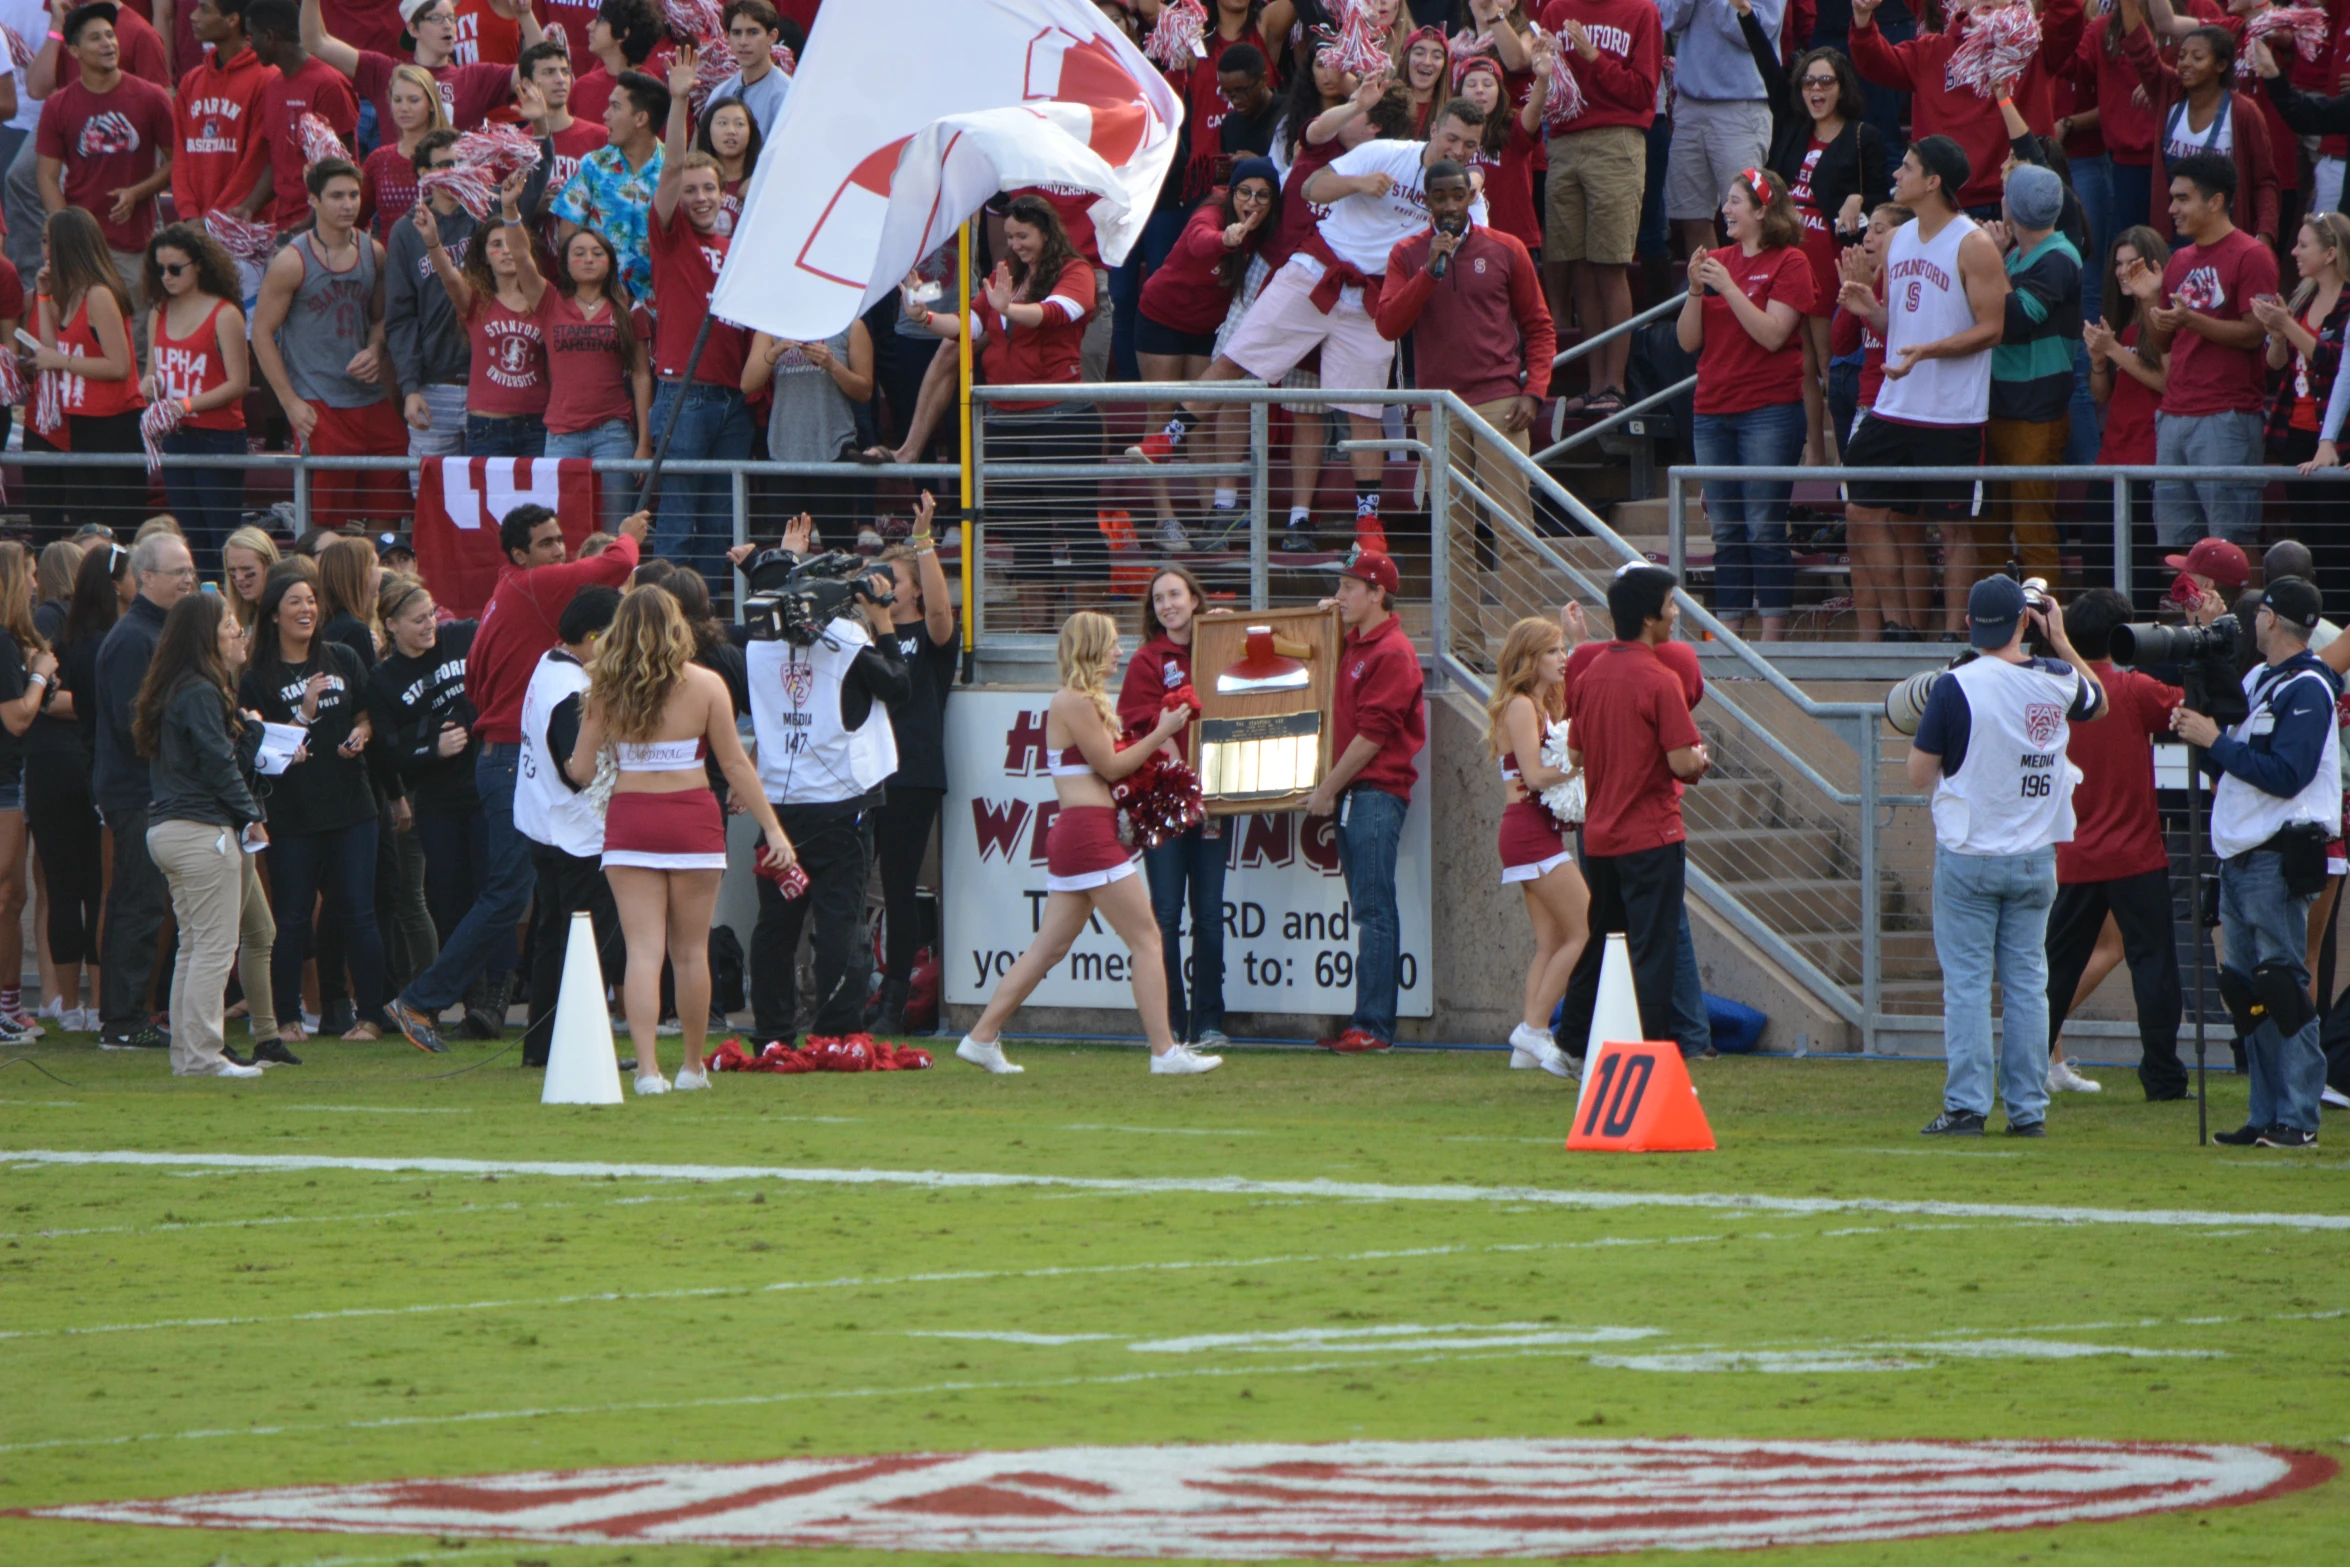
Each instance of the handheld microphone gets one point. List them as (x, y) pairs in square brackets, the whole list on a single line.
[(1438, 266)]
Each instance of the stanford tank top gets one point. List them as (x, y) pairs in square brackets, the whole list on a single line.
[(1925, 301)]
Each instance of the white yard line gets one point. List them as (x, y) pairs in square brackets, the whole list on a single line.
[(1230, 1185)]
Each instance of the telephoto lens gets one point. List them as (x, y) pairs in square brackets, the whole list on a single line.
[(1905, 704)]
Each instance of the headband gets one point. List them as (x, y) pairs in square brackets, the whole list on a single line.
[(1758, 182), (1475, 62)]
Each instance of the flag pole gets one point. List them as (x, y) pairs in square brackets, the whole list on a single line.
[(963, 358)]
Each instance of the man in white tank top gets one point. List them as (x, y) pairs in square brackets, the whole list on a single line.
[(1991, 744), (1945, 308)]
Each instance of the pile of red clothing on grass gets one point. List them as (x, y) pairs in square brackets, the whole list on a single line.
[(822, 1053)]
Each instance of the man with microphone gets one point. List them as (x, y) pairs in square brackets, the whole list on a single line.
[(1471, 299)]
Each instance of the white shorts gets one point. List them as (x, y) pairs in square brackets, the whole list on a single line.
[(1536, 871), (1089, 880), (1283, 326)]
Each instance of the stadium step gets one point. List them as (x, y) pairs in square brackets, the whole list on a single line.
[(1814, 905), (1728, 804), (1907, 956), (1739, 854)]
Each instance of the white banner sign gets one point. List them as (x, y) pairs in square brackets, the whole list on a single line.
[(1289, 936)]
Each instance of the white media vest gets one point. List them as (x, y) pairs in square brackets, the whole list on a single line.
[(1925, 301), (546, 809), (2243, 817), (2013, 794), (805, 756)]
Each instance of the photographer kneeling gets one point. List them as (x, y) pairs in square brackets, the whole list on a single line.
[(1992, 742), (2276, 803), (824, 670)]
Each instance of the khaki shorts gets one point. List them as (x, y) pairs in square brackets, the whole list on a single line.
[(1283, 327), (1596, 181), (1713, 143)]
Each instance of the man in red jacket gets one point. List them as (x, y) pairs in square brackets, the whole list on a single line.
[(520, 624), (1481, 331), (1921, 67), (222, 152), (1379, 723)]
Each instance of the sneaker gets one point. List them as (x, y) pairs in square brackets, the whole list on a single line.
[(56, 1011), (1534, 1047), (987, 1055), (2330, 1095), (1183, 1061), (2027, 1128), (228, 1068), (1172, 538), (1370, 535), (2242, 1137), (22, 1022), (86, 1021), (669, 1028), (1298, 539), (144, 1037), (419, 1029), (1158, 446), (1227, 521), (1211, 1039), (691, 1079), (480, 1025), (646, 1087), (2287, 1137), (275, 1052), (1954, 1123), (1354, 1042), (2062, 1079), (229, 1053)]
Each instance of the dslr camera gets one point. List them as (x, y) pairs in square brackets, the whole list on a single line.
[(793, 598), (2205, 657)]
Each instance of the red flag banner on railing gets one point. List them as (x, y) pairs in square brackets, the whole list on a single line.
[(460, 502), (858, 183)]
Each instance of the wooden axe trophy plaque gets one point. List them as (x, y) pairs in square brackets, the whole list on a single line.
[(1265, 682)]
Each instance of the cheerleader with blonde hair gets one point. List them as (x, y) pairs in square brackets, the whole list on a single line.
[(1088, 869)]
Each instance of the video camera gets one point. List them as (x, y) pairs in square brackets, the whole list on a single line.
[(2205, 657), (794, 598)]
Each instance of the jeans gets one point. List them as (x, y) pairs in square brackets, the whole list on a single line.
[(524, 435), (836, 849), (340, 865), (1655, 237), (444, 403), (1370, 829), (135, 905), (2093, 184), (1194, 861), (611, 441), (2261, 923), (1993, 909), (2187, 510), (694, 527), (209, 502), (2133, 194), (1751, 567), (456, 850), (483, 942), (410, 942), (1692, 1028)]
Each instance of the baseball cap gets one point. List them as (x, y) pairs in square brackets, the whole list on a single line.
[(411, 9), (2217, 559), (2295, 602), (1940, 156), (1373, 566), (387, 543), (1993, 606)]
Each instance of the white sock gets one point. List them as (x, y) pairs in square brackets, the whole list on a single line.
[(1299, 516), (1227, 499)]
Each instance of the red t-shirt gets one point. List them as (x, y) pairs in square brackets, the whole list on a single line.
[(1628, 711), (1380, 696), (2219, 281), (1038, 355), (2116, 830), (364, 24), (1679, 657), (1160, 666), (485, 37), (106, 141), (589, 378), (317, 88), (2129, 414), (387, 190), (509, 374), (574, 17), (11, 292), (468, 92), (685, 270), (1736, 374), (591, 89), (142, 49), (1509, 186), (191, 366), (1850, 334)]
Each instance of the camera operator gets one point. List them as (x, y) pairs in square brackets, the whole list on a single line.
[(1992, 742), (820, 715), (2276, 802), (2116, 862)]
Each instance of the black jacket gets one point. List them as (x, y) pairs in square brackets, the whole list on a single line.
[(2305, 115), (199, 772), (120, 782), (1854, 161), (327, 791), (412, 698)]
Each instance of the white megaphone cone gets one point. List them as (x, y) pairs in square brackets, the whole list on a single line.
[(582, 1067), (1615, 1017)]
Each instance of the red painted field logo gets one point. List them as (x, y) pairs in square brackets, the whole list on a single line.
[(1353, 1501)]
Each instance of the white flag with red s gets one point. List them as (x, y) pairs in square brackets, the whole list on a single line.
[(907, 116)]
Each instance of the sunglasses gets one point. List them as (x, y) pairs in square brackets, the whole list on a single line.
[(175, 268), (1820, 81)]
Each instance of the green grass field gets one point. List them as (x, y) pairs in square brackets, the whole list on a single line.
[(176, 1328)]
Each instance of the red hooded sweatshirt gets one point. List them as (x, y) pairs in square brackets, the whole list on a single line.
[(220, 149), (1920, 68), (1380, 697)]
